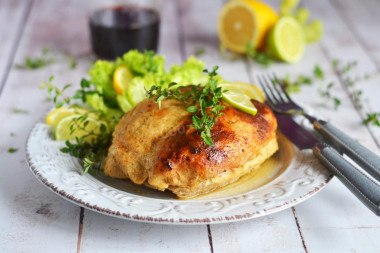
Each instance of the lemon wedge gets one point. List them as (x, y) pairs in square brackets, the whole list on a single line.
[(239, 95), (286, 40), (82, 127), (58, 114), (243, 22), (121, 78)]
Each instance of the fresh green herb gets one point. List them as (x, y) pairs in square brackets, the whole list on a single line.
[(12, 150), (372, 118), (295, 86), (46, 58), (199, 51), (326, 94), (318, 73), (226, 54), (72, 62), (355, 94), (357, 97), (89, 162), (12, 134), (19, 111), (349, 66), (56, 93), (90, 147), (86, 89), (204, 102), (261, 57), (335, 63)]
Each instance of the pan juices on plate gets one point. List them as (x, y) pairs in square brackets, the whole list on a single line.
[(156, 144)]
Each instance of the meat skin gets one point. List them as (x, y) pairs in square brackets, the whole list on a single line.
[(158, 147)]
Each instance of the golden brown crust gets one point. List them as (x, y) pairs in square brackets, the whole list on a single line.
[(158, 146)]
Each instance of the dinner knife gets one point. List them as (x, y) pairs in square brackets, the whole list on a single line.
[(362, 185), (345, 144)]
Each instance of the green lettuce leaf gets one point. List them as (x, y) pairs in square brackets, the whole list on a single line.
[(101, 76), (112, 115), (142, 64)]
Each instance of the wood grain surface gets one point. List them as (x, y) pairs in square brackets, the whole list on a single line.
[(33, 219)]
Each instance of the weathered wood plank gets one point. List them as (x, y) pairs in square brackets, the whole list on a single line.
[(339, 216), (342, 207), (33, 218), (13, 15), (272, 233), (361, 20), (200, 27), (41, 221), (102, 233)]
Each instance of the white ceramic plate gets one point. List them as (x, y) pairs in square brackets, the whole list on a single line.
[(288, 178)]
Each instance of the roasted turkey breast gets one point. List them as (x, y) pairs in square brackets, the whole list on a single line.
[(159, 148)]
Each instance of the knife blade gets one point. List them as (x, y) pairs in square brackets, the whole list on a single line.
[(361, 184)]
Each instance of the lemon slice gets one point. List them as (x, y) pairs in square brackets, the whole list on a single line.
[(286, 40), (121, 78), (57, 114), (82, 127), (313, 31), (250, 90), (239, 95), (245, 21)]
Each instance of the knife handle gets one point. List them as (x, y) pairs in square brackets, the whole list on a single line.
[(363, 186), (369, 161)]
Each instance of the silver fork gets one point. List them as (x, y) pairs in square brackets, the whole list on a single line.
[(280, 102)]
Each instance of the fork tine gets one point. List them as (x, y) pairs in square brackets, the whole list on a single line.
[(282, 87), (263, 85), (275, 94), (269, 99), (280, 91)]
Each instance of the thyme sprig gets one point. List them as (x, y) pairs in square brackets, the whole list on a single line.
[(328, 96), (373, 119), (90, 147), (204, 102), (46, 57)]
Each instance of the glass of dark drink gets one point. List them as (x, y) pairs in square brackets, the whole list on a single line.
[(119, 26)]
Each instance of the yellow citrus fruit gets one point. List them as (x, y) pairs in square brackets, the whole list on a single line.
[(245, 22), (286, 40), (79, 126), (239, 95), (121, 78), (58, 114), (250, 90)]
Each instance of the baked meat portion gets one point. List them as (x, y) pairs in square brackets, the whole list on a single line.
[(158, 147)]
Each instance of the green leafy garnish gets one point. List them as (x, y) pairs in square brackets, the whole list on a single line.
[(261, 57), (355, 94), (199, 51), (72, 62), (296, 85), (326, 94), (204, 102), (318, 72), (372, 118), (46, 58), (12, 150), (19, 111), (91, 153), (56, 93)]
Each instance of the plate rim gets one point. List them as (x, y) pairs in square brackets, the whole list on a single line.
[(172, 221)]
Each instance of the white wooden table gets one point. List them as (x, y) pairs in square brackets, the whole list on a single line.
[(33, 219)]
